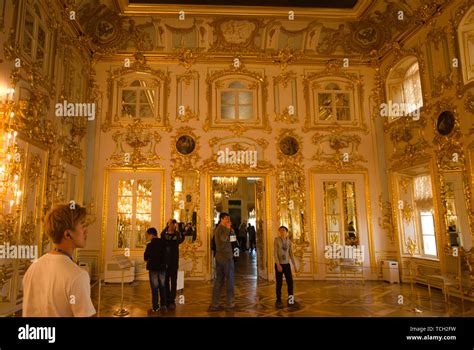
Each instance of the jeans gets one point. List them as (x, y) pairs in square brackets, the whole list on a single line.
[(157, 282), (171, 281), (286, 270), (224, 272)]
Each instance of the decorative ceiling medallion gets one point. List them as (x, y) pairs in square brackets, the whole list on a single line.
[(367, 36), (105, 28)]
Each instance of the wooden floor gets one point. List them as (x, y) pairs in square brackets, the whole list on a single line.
[(256, 298)]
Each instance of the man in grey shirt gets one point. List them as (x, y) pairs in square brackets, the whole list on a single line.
[(283, 251), (224, 262)]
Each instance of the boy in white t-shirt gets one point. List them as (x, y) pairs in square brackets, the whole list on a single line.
[(54, 286)]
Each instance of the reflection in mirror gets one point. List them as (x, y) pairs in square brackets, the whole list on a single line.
[(185, 202), (456, 213), (291, 206), (133, 212), (341, 225), (350, 213)]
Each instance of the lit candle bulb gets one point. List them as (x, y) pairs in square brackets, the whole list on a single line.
[(15, 178), (14, 136), (11, 206), (12, 114), (18, 196)]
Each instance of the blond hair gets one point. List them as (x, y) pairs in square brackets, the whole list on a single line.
[(61, 218)]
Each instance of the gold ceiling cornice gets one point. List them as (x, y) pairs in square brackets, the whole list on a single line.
[(355, 13)]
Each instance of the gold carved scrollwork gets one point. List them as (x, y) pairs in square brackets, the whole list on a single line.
[(34, 169), (6, 275), (386, 221), (407, 152), (138, 139), (407, 212), (341, 151), (412, 246), (27, 236), (186, 57), (286, 56), (242, 144)]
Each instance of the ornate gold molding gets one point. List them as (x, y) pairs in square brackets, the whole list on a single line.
[(386, 221), (338, 161), (137, 138)]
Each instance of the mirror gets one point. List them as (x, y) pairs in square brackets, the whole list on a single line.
[(291, 206), (185, 186), (456, 213), (340, 212)]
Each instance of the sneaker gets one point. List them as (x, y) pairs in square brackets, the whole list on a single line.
[(155, 309), (279, 304), (213, 308), (294, 305), (231, 307), (163, 309), (172, 306)]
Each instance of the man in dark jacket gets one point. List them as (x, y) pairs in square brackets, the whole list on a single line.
[(172, 238), (156, 265)]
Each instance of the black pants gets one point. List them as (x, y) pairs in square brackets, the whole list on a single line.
[(170, 284), (286, 270)]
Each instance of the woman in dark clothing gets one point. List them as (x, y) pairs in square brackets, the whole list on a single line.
[(172, 238)]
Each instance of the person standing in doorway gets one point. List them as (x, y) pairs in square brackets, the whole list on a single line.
[(224, 262), (252, 237), (243, 236), (283, 252), (155, 257), (173, 238)]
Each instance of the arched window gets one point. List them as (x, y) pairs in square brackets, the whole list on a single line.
[(403, 88), (466, 45), (333, 104), (236, 101), (34, 41), (138, 100)]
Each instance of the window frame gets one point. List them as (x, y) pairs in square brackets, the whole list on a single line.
[(236, 92), (396, 80), (38, 22)]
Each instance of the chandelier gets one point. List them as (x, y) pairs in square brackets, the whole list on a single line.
[(225, 185), (10, 162)]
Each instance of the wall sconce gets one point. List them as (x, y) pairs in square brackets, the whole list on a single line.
[(10, 157)]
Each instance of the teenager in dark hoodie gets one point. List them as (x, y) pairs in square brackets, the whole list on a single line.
[(155, 257)]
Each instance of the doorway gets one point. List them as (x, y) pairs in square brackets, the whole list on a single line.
[(243, 197)]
